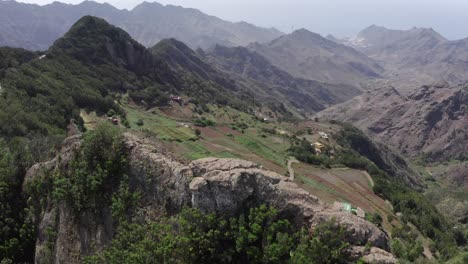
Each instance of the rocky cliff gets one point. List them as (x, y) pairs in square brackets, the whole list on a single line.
[(222, 185)]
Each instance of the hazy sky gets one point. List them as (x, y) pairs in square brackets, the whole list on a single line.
[(338, 17)]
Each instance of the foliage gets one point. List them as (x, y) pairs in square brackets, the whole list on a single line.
[(359, 152), (325, 245), (94, 172), (203, 122), (16, 230), (258, 236), (404, 244)]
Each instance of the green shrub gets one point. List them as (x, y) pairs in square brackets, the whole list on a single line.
[(259, 235)]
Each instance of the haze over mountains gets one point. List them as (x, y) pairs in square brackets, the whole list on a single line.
[(413, 57), (308, 55), (37, 27)]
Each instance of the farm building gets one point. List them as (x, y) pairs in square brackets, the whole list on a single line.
[(176, 99), (323, 135), (318, 147)]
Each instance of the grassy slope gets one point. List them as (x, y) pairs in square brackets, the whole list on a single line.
[(226, 139)]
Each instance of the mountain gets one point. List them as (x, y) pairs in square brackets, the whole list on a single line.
[(395, 47), (107, 147), (413, 57), (255, 70), (37, 27), (430, 121), (90, 67), (308, 55)]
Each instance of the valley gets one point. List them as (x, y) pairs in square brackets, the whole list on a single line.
[(161, 134)]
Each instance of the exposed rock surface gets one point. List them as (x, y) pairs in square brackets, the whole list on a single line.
[(431, 120), (454, 174), (226, 186), (373, 255)]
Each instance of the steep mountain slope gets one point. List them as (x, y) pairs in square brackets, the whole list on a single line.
[(37, 27), (255, 69), (430, 121), (308, 55)]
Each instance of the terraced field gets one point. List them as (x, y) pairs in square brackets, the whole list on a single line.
[(225, 139), (342, 184)]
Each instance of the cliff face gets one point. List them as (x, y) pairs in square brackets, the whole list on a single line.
[(226, 186)]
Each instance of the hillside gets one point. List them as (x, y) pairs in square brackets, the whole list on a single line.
[(111, 152), (308, 55), (429, 122), (252, 67), (37, 27)]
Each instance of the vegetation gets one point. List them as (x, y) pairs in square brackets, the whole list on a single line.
[(17, 232), (93, 175), (39, 98), (258, 236), (358, 152)]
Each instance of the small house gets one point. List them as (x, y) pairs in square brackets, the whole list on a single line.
[(346, 207), (323, 135), (318, 147), (176, 99)]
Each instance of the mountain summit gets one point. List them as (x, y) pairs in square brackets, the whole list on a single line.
[(94, 41), (384, 44), (308, 55)]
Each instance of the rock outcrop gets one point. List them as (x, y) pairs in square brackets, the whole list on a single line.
[(373, 255), (226, 186)]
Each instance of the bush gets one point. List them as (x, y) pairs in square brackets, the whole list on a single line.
[(260, 235), (140, 122), (203, 122), (94, 172)]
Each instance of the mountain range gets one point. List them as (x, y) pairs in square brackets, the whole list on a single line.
[(36, 27), (107, 135), (413, 57), (308, 55), (301, 73)]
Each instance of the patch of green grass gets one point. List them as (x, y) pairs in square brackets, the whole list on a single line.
[(166, 128), (461, 258), (227, 154), (195, 150), (266, 151), (318, 185)]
